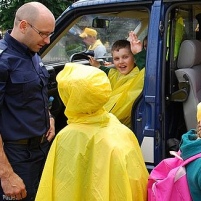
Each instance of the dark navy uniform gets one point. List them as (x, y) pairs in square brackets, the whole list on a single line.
[(24, 115)]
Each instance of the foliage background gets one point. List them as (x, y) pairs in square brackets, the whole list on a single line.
[(9, 7)]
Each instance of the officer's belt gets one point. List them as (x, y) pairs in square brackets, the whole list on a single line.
[(31, 141)]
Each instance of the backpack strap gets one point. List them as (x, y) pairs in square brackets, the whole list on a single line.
[(192, 158)]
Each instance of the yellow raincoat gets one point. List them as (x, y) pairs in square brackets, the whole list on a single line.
[(95, 157), (125, 90), (96, 44)]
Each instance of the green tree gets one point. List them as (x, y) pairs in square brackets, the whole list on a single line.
[(9, 7)]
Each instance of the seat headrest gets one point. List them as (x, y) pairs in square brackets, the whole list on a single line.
[(189, 54)]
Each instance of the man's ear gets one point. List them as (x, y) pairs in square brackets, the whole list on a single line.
[(23, 26)]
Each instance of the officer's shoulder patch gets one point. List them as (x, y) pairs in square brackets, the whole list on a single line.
[(1, 51), (3, 47)]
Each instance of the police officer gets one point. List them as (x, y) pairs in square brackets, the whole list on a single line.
[(26, 126)]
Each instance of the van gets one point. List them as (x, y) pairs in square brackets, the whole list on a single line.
[(166, 107)]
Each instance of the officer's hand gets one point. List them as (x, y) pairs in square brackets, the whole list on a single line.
[(51, 132), (13, 187)]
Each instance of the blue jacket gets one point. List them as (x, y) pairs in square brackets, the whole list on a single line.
[(191, 146), (23, 92)]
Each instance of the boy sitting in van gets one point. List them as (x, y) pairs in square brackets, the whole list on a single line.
[(127, 78)]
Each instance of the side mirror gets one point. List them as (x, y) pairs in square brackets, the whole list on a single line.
[(100, 23)]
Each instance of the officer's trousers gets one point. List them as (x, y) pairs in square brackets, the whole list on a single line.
[(27, 162)]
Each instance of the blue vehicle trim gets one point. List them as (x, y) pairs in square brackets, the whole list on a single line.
[(152, 90), (83, 3)]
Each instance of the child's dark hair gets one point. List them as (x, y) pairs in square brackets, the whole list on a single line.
[(119, 44), (144, 43)]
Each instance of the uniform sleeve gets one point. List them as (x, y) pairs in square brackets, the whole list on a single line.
[(140, 59)]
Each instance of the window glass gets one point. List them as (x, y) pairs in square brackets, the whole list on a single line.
[(118, 26), (182, 24)]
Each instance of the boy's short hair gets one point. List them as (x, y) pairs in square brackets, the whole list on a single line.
[(119, 44)]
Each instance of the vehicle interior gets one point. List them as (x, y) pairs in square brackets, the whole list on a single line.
[(182, 85), (180, 91)]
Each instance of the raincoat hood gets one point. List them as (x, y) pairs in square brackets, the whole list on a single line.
[(83, 89)]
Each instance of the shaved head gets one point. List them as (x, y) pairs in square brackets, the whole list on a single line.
[(33, 25), (31, 11)]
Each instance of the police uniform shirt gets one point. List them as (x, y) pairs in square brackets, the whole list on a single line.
[(23, 92)]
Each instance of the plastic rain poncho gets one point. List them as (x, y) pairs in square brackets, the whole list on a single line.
[(125, 90), (95, 157)]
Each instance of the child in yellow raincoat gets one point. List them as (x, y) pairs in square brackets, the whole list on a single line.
[(127, 78), (95, 157)]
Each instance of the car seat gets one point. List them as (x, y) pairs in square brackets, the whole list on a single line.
[(189, 77)]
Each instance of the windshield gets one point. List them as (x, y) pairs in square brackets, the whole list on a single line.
[(110, 27)]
